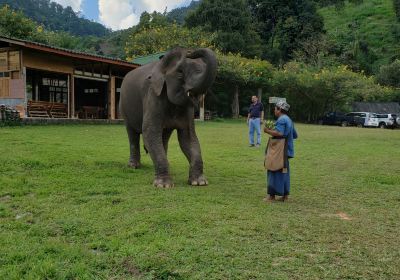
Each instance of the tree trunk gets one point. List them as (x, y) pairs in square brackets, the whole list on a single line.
[(235, 103), (259, 94)]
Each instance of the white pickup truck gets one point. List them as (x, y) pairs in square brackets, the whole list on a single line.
[(387, 120)]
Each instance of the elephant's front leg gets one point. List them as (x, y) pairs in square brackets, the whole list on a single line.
[(191, 148), (153, 140)]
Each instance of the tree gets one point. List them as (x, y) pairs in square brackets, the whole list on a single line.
[(396, 5), (164, 38), (285, 24), (389, 75), (15, 24), (179, 14), (153, 20), (237, 72), (232, 23)]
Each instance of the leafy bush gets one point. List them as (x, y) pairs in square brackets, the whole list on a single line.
[(313, 92)]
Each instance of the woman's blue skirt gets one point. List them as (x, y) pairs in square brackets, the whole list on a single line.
[(278, 183)]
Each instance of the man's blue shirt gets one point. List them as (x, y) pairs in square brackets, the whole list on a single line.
[(255, 110)]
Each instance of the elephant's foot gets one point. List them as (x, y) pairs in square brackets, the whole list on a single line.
[(163, 182), (134, 164), (200, 180)]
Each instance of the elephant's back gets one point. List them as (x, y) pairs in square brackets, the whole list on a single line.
[(131, 100)]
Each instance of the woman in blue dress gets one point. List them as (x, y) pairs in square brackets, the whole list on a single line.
[(278, 182)]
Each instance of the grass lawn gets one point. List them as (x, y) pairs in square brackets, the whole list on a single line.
[(70, 208)]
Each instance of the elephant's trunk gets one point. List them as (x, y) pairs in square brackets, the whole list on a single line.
[(209, 58)]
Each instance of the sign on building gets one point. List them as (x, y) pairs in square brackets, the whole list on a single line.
[(274, 100)]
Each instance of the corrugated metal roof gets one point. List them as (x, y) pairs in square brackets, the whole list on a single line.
[(142, 60), (377, 107), (68, 52)]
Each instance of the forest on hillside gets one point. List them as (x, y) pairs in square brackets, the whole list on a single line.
[(322, 55)]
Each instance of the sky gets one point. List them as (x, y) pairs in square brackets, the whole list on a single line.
[(119, 14)]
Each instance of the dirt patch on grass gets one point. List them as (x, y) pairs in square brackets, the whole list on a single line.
[(340, 215), (131, 268)]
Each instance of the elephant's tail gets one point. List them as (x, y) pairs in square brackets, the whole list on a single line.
[(144, 147)]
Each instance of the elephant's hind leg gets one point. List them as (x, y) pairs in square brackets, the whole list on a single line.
[(134, 147)]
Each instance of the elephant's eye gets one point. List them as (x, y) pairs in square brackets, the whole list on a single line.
[(179, 73)]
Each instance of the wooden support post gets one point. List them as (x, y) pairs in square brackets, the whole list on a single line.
[(201, 107), (235, 103), (259, 94), (69, 95), (111, 98), (72, 96)]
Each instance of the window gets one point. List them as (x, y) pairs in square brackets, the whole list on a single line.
[(91, 90), (4, 74), (57, 90)]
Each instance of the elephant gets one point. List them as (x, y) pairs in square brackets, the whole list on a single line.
[(158, 98)]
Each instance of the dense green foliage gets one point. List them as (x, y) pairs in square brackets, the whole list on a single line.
[(70, 208), (232, 23), (366, 35), (312, 92), (396, 5), (164, 38), (283, 25), (57, 18), (389, 75)]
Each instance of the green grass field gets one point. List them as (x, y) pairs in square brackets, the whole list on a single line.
[(70, 208)]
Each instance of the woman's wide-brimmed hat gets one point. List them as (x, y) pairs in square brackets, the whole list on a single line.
[(283, 105)]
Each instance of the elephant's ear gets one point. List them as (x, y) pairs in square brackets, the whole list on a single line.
[(157, 81), (165, 68)]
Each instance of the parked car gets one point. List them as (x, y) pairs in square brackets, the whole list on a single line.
[(398, 121), (361, 119), (332, 118), (386, 120)]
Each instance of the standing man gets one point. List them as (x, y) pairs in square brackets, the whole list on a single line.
[(254, 119)]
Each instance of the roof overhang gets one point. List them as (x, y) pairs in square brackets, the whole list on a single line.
[(68, 53)]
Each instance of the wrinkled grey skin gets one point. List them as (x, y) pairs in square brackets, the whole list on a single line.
[(158, 98)]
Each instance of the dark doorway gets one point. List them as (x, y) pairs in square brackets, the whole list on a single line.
[(91, 99)]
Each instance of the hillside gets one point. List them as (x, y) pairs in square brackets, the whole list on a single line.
[(369, 31), (55, 17), (179, 14)]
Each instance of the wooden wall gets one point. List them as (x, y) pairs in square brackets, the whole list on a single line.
[(4, 87), (10, 73), (47, 62)]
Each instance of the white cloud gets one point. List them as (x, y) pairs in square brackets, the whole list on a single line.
[(76, 5), (126, 13)]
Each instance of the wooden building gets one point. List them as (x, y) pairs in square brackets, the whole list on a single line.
[(50, 82)]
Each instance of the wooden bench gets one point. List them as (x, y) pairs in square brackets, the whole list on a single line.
[(58, 110), (44, 109), (38, 109)]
